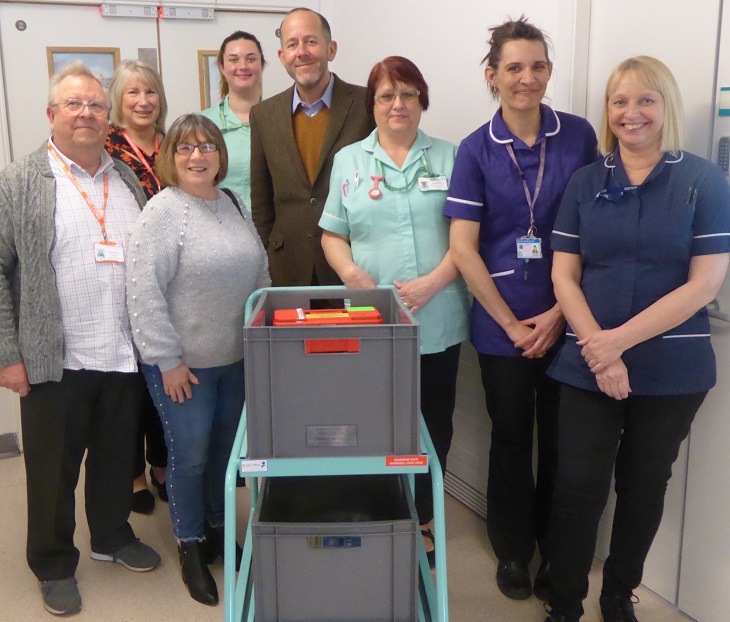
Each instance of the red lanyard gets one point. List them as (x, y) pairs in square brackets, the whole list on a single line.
[(72, 178), (142, 157)]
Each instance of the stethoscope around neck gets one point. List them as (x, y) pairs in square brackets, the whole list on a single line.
[(375, 192)]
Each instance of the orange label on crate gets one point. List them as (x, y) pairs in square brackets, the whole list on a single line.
[(406, 461)]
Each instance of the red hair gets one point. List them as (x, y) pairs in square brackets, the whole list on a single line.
[(396, 69)]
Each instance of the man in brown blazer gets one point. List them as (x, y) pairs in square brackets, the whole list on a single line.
[(294, 137)]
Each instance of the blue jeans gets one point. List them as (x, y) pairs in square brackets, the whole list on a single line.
[(199, 434)]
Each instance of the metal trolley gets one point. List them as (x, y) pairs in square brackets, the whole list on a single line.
[(432, 601)]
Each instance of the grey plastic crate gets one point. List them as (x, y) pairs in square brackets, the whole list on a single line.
[(335, 549), (302, 405)]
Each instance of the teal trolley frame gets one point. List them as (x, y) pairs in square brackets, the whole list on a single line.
[(239, 596)]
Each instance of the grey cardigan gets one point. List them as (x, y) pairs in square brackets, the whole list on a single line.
[(31, 328)]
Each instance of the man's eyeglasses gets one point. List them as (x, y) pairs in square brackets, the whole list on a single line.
[(75, 106), (405, 96), (187, 148)]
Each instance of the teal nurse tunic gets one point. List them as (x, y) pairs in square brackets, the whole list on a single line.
[(403, 234), (237, 136)]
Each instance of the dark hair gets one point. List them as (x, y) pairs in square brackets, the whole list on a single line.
[(322, 20), (511, 30), (182, 128), (396, 68), (235, 36)]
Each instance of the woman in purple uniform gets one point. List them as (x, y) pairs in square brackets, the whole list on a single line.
[(506, 187)]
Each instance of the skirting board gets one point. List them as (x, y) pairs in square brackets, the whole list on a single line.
[(9, 445)]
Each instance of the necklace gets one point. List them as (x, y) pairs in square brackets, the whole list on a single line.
[(211, 206)]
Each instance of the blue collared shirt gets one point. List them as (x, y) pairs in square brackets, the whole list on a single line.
[(325, 100), (486, 187), (635, 247)]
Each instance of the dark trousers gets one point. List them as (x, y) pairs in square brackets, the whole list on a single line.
[(438, 399), (518, 392), (150, 429), (86, 410), (641, 436)]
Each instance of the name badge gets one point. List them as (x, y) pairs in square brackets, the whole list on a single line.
[(438, 182), (105, 252), (529, 248)]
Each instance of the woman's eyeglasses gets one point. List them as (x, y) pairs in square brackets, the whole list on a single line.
[(187, 148), (405, 96)]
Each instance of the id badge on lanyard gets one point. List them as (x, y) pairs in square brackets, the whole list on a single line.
[(529, 246), (107, 251)]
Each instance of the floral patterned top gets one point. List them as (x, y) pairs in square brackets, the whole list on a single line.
[(118, 147)]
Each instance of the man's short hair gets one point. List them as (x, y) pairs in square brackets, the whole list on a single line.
[(76, 69), (322, 19)]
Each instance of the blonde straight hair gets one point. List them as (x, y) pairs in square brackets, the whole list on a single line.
[(654, 74)]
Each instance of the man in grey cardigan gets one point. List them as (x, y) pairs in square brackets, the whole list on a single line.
[(65, 338)]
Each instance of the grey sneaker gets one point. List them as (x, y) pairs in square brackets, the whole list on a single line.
[(136, 556), (61, 597)]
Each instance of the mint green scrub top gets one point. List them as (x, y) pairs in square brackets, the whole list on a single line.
[(237, 137), (403, 234)]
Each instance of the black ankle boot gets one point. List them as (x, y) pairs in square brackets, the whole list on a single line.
[(195, 573), (215, 545)]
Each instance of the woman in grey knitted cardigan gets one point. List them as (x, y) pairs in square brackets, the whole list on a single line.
[(195, 257)]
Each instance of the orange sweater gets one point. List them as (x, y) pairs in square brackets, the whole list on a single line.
[(309, 133)]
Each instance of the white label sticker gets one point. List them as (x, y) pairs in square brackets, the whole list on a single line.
[(254, 466)]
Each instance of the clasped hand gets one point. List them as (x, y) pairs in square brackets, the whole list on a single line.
[(601, 349), (416, 292), (602, 352), (613, 380), (536, 335)]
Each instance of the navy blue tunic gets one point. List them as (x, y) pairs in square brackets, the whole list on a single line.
[(636, 246)]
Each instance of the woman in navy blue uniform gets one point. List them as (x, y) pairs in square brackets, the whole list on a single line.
[(641, 246), (508, 180)]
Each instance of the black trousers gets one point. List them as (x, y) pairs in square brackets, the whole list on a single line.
[(150, 428), (518, 393), (86, 410), (641, 436), (438, 399)]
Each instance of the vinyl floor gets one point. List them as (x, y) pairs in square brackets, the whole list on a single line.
[(111, 593)]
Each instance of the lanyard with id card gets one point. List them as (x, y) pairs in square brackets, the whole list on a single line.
[(530, 246), (105, 251)]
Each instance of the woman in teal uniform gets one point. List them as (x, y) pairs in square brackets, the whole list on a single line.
[(383, 225), (241, 63)]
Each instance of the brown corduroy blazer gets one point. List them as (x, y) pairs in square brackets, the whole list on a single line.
[(285, 206)]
